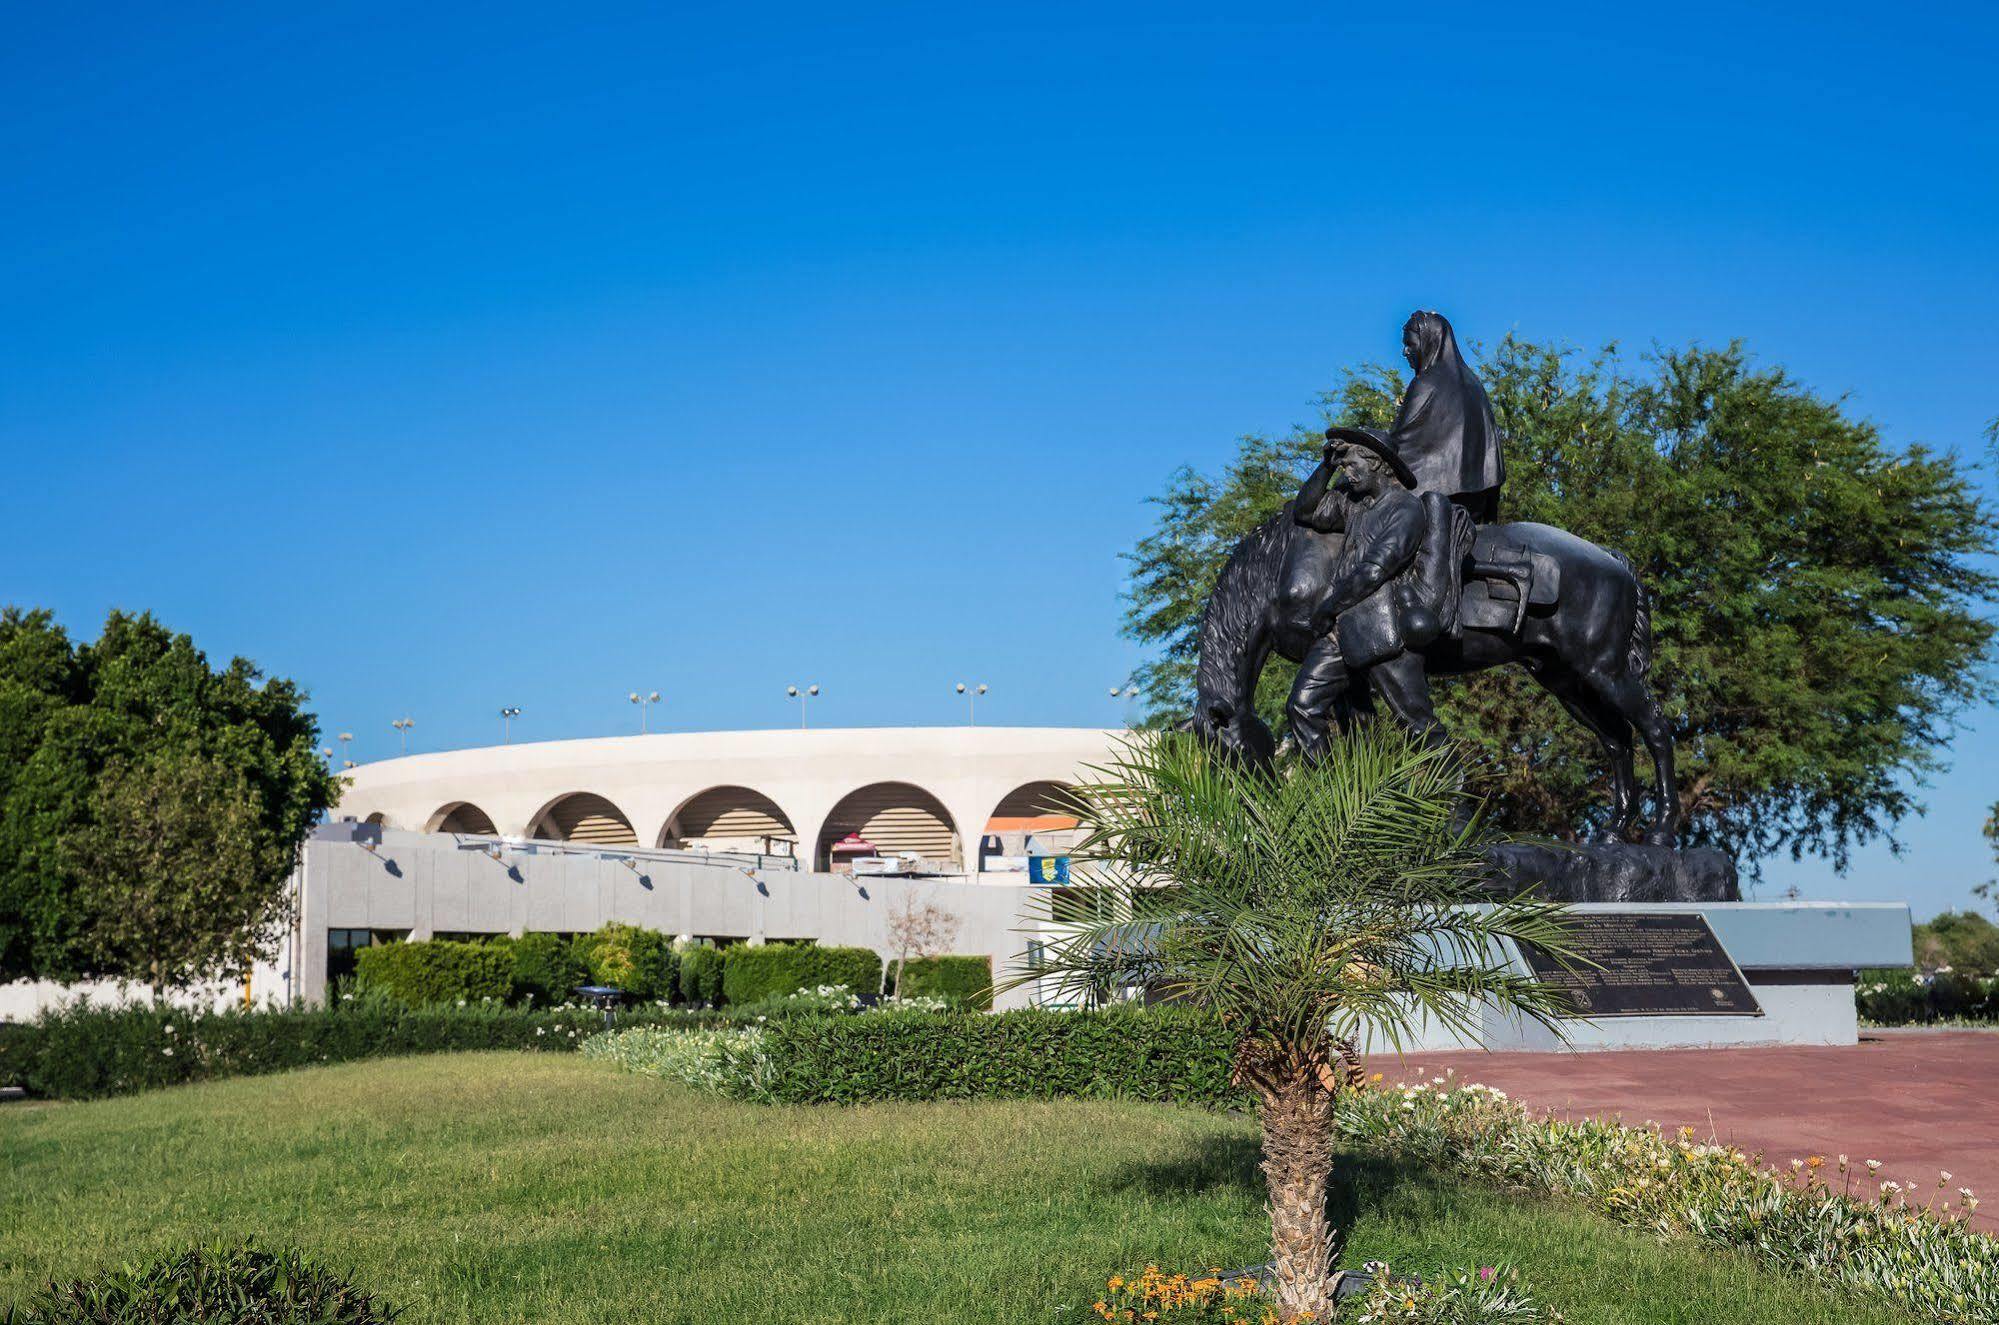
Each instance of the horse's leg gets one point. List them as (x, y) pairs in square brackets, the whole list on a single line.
[(1627, 692), (1612, 732), (1405, 688), (1321, 685)]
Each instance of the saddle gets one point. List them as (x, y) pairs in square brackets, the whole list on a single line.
[(1471, 575)]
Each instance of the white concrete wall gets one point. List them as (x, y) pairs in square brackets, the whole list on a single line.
[(428, 883)]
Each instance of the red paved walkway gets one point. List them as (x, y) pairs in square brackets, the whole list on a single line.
[(1920, 1102)]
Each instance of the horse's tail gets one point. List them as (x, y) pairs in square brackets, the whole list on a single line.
[(1638, 657)]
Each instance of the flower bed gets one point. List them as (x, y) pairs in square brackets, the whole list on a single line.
[(1834, 1220), (1486, 1296)]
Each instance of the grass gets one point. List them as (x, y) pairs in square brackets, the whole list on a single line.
[(520, 1187)]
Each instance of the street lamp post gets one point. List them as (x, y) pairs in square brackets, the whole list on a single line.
[(403, 725), (346, 744), (801, 696), (971, 694), (507, 716), (644, 702)]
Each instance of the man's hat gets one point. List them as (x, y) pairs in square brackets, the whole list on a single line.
[(1376, 441)]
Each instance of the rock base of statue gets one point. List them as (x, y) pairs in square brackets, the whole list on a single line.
[(1618, 872)]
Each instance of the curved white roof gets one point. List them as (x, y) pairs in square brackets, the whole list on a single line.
[(806, 772)]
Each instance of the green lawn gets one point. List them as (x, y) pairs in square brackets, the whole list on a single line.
[(519, 1187)]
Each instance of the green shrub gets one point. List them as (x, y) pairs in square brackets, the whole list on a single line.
[(86, 1052), (1956, 994), (1162, 1054), (436, 971), (1891, 998), (966, 982), (752, 973), (547, 967), (701, 977), (220, 1284), (641, 962)]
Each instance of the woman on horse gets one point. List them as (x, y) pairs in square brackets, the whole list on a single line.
[(1444, 430)]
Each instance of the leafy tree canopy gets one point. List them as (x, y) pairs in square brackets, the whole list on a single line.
[(88, 733), (1818, 617)]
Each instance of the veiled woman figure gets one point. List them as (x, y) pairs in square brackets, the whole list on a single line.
[(1444, 431)]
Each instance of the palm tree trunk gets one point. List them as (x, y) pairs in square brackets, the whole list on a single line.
[(1297, 1113)]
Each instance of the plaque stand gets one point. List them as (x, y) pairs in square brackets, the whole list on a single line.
[(1678, 975)]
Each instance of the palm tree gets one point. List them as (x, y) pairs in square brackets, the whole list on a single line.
[(1314, 908)]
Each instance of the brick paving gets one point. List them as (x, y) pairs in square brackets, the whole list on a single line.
[(1921, 1102)]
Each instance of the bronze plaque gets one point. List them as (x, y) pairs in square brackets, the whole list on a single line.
[(1665, 965)]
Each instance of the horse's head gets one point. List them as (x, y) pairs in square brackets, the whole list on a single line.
[(1237, 735)]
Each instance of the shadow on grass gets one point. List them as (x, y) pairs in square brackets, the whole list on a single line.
[(1360, 1182)]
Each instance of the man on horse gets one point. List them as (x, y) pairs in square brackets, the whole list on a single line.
[(1378, 606)]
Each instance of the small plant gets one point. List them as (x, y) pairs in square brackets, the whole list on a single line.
[(701, 976), (221, 1284)]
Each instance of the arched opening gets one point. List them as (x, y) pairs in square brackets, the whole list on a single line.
[(378, 819), (586, 817), (731, 819), (892, 818), (1033, 819), (463, 817)]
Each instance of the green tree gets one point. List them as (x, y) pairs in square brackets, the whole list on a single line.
[(166, 873), (1961, 940), (1313, 910), (139, 699), (1817, 592)]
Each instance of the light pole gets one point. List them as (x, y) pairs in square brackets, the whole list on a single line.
[(327, 752), (403, 725), (346, 739), (801, 696), (507, 716), (644, 702), (971, 695)]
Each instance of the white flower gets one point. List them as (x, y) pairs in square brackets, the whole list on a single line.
[(1873, 1166), (168, 1052)]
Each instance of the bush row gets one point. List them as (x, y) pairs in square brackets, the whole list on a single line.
[(86, 1052), (1898, 998), (1123, 1053), (544, 969)]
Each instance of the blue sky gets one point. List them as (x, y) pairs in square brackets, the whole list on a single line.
[(451, 357)]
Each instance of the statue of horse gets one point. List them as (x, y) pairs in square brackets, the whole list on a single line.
[(1584, 633)]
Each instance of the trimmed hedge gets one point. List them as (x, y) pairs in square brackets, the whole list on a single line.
[(1900, 998), (641, 962), (86, 1052), (547, 969), (1160, 1054), (701, 976), (966, 981), (223, 1284), (436, 971), (751, 974)]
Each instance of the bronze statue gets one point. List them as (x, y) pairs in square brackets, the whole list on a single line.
[(1380, 574)]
